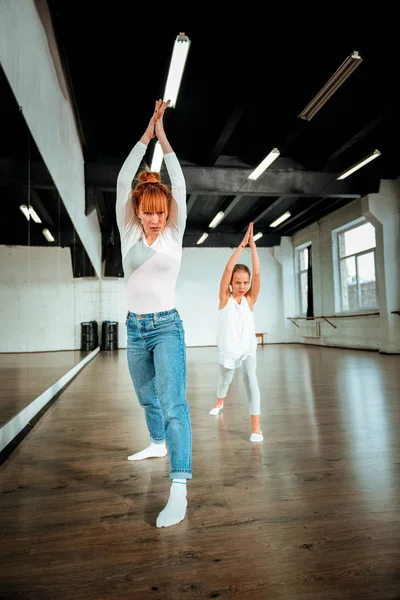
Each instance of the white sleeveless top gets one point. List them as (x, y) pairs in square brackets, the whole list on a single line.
[(236, 334)]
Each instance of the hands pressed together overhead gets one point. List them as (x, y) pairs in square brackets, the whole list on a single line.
[(248, 237), (156, 126)]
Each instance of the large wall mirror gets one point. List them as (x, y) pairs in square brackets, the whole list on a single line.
[(43, 268)]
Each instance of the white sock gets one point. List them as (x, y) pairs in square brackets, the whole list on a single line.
[(175, 510), (256, 437), (152, 451), (215, 411)]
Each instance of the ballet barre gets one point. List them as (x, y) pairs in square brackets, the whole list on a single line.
[(326, 318)]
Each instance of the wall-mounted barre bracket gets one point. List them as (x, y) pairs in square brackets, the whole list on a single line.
[(294, 322), (325, 319)]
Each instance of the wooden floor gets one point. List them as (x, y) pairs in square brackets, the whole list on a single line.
[(312, 513), (24, 376)]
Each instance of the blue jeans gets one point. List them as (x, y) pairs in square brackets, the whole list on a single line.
[(157, 365)]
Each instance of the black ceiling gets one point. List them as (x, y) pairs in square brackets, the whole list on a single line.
[(245, 84)]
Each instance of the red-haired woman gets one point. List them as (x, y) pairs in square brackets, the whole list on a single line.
[(151, 219)]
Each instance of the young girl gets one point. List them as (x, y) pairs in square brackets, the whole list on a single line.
[(236, 336)]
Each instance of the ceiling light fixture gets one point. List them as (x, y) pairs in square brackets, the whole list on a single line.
[(34, 215), (203, 237), (257, 236), (174, 78), (338, 78), (217, 219), (268, 160), (360, 164), (158, 157), (176, 67), (48, 235), (280, 219), (25, 210)]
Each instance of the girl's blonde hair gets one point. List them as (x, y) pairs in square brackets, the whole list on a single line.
[(240, 267)]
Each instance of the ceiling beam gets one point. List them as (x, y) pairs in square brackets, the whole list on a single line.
[(213, 181), (264, 212), (227, 181), (232, 204), (309, 209), (358, 136), (227, 210), (94, 200), (267, 210), (190, 203), (244, 225), (312, 218), (230, 126), (225, 240), (102, 213), (90, 199), (38, 205)]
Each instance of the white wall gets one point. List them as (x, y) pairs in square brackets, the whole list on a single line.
[(286, 291), (29, 57), (197, 296), (38, 304), (42, 306), (104, 298), (38, 293), (383, 211), (198, 288), (14, 282), (371, 332)]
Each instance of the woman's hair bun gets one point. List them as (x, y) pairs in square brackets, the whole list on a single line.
[(148, 177)]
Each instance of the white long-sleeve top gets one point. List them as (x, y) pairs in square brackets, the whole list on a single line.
[(236, 334), (152, 271)]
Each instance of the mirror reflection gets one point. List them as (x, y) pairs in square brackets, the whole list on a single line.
[(43, 272)]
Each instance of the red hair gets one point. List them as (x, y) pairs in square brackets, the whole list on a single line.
[(150, 195)]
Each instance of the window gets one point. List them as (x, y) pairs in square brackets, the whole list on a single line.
[(356, 247), (304, 280)]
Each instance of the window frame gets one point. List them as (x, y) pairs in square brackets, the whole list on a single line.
[(359, 309), (298, 272)]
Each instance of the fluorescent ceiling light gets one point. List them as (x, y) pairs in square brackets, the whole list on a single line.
[(217, 219), (273, 155), (25, 210), (157, 158), (360, 164), (280, 219), (257, 236), (34, 215), (48, 235), (337, 79), (203, 237), (176, 67)]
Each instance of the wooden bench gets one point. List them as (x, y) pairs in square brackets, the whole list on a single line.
[(261, 336)]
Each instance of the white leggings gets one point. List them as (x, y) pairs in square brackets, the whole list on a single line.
[(250, 382)]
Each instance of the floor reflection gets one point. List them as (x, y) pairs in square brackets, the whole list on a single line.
[(24, 376)]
